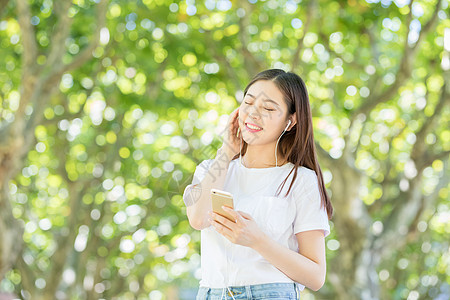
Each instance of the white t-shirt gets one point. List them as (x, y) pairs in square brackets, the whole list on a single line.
[(224, 263)]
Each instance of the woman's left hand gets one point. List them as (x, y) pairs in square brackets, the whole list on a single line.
[(244, 232)]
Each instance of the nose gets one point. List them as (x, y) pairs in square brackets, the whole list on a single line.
[(254, 113)]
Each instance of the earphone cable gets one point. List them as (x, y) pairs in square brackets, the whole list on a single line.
[(239, 170)]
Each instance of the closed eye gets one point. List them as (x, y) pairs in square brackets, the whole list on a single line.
[(264, 107)]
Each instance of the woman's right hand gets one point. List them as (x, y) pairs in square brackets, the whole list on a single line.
[(230, 146)]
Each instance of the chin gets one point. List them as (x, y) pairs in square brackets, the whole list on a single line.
[(254, 140)]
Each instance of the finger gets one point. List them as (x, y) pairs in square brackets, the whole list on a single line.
[(245, 215), (233, 120), (229, 237), (212, 220), (225, 234), (235, 113), (224, 221), (234, 213), (236, 117), (222, 228), (233, 126)]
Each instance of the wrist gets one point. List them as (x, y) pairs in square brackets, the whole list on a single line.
[(224, 154), (260, 242)]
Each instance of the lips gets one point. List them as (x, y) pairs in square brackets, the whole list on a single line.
[(252, 127)]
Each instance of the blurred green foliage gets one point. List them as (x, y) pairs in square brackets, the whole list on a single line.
[(122, 137)]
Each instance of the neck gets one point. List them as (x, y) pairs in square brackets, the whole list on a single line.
[(262, 156)]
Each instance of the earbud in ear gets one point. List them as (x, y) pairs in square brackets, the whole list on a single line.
[(289, 123)]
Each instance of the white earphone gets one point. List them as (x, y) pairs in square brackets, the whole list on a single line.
[(240, 165), (288, 124), (276, 159)]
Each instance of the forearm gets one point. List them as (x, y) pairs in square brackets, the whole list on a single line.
[(200, 201), (293, 264)]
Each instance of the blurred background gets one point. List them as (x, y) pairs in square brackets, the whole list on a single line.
[(108, 106)]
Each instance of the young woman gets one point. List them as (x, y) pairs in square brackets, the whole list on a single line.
[(281, 209)]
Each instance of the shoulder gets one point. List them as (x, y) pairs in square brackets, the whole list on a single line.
[(203, 167), (205, 163), (306, 171), (306, 175), (306, 180), (208, 161)]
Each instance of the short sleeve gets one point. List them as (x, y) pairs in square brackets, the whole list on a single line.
[(200, 172), (309, 213)]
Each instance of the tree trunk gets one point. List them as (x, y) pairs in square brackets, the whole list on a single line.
[(39, 83), (351, 226), (11, 231)]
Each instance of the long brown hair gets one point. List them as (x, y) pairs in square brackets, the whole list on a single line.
[(298, 143)]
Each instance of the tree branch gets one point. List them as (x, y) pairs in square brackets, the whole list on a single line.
[(373, 42), (86, 54), (26, 274), (251, 63), (428, 26), (153, 86), (401, 215), (29, 66), (428, 158), (409, 203), (424, 161), (346, 152), (325, 38), (387, 180), (28, 39), (49, 82), (216, 53), (403, 73), (65, 242), (93, 74), (309, 16), (426, 203), (3, 4), (430, 122), (406, 64), (358, 143), (60, 34), (391, 240)]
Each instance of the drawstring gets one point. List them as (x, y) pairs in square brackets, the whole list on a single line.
[(226, 281), (223, 292)]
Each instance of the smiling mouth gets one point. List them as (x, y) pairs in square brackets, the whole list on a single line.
[(252, 128)]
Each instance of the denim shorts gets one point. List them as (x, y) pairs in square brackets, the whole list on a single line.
[(279, 290)]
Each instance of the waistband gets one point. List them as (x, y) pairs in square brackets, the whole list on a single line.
[(284, 288)]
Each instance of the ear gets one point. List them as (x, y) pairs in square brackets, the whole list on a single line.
[(293, 119)]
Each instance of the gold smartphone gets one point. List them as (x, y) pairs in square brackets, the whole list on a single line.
[(219, 198)]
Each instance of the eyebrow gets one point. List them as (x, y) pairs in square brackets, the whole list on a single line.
[(267, 100)]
